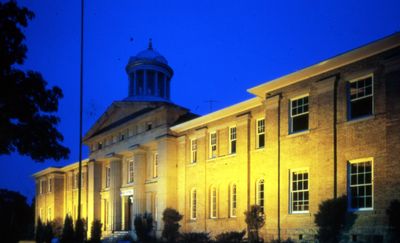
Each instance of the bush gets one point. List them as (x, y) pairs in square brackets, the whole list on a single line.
[(39, 233), (255, 220), (57, 226), (231, 237), (194, 237), (331, 219), (95, 231), (48, 233), (144, 227), (288, 240), (171, 217), (68, 230), (80, 232), (393, 213)]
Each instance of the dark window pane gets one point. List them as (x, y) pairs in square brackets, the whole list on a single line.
[(261, 140), (233, 147), (300, 123), (361, 107)]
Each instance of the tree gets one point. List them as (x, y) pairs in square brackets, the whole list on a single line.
[(393, 213), (27, 106), (39, 233), (80, 231), (143, 227), (95, 232), (16, 217), (48, 233), (68, 231), (171, 217), (255, 220)]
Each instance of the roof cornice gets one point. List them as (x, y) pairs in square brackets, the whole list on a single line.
[(352, 56)]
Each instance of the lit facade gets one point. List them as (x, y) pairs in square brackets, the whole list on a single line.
[(328, 130)]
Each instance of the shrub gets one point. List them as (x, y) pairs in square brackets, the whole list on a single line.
[(171, 217), (255, 220), (80, 232), (331, 219), (288, 240), (39, 233), (144, 227), (95, 231), (68, 231), (48, 233), (393, 213), (194, 237), (57, 226), (231, 237)]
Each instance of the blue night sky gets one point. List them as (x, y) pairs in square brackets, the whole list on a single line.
[(217, 49)]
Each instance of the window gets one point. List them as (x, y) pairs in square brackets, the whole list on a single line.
[(299, 192), (193, 148), (42, 186), (213, 145), (108, 177), (155, 165), (260, 133), (49, 214), (50, 185), (360, 184), (130, 171), (232, 140), (233, 201), (213, 202), (76, 180), (260, 194), (299, 114), (193, 204), (149, 126), (360, 95), (99, 145)]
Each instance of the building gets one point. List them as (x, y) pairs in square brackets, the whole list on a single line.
[(328, 130)]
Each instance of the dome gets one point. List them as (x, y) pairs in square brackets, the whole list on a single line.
[(149, 55)]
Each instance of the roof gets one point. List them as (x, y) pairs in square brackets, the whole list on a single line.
[(60, 170), (338, 61), (228, 111)]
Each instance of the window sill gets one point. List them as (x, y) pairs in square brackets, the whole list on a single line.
[(221, 157), (360, 210), (191, 164), (299, 214), (295, 134), (361, 119)]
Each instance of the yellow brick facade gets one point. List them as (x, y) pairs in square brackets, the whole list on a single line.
[(157, 137)]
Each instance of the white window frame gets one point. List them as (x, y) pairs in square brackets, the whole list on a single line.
[(193, 151), (232, 139), (291, 116), (108, 176), (193, 204), (155, 164), (258, 191), (131, 171), (233, 201), (213, 144), (349, 100), (293, 191), (349, 186), (260, 132), (213, 202)]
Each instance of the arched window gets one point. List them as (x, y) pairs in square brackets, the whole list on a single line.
[(213, 202), (233, 200), (193, 204), (260, 194)]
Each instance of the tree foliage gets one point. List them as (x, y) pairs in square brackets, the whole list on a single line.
[(16, 217), (171, 219), (230, 237), (80, 232), (255, 219), (144, 227), (393, 213), (27, 106), (95, 231), (68, 230)]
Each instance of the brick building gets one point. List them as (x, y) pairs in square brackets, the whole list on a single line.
[(328, 130)]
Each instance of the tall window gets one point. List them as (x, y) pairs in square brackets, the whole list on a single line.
[(155, 165), (42, 185), (50, 185), (232, 140), (213, 202), (130, 171), (260, 194), (213, 145), (299, 192), (360, 95), (193, 150), (299, 114), (361, 186), (193, 204), (108, 177), (76, 179), (260, 143), (233, 201)]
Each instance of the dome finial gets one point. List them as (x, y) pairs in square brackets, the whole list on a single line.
[(150, 44)]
